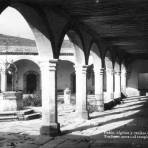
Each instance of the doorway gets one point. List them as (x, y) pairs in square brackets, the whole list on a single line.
[(31, 82), (31, 85)]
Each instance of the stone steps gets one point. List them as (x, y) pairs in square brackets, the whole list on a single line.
[(27, 114), (8, 115), (6, 118), (27, 111), (32, 116)]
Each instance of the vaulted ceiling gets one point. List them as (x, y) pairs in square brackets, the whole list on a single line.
[(122, 23)]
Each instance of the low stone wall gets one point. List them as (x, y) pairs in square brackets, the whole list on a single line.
[(11, 101)]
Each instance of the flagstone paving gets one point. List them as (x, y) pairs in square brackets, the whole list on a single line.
[(125, 126)]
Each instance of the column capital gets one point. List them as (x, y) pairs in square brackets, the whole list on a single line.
[(118, 73), (123, 73), (99, 71), (82, 68), (53, 60), (50, 64)]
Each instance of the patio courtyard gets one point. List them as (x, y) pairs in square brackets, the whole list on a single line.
[(126, 125)]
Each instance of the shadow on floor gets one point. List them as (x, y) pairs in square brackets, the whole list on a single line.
[(124, 129)]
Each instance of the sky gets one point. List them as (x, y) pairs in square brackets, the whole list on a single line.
[(13, 23)]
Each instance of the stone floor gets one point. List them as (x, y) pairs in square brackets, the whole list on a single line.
[(125, 126)]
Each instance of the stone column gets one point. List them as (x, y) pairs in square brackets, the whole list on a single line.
[(3, 79), (117, 85), (50, 125), (123, 82), (110, 91), (81, 98), (99, 89)]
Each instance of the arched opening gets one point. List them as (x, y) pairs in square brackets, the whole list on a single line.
[(71, 52), (117, 80), (90, 76), (28, 77), (27, 25), (19, 28), (42, 36), (90, 79), (96, 99), (109, 78), (123, 79), (71, 56), (65, 76), (96, 63)]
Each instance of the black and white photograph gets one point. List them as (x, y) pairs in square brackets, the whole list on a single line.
[(73, 73)]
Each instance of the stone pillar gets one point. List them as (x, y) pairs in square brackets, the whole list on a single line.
[(123, 82), (117, 85), (3, 79), (81, 98), (50, 125), (99, 89), (110, 90)]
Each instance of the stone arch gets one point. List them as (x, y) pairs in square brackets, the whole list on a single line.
[(73, 52), (108, 77), (26, 58), (67, 51), (116, 67), (123, 79), (108, 60), (33, 85), (123, 68), (95, 53), (65, 71), (95, 60), (108, 67), (76, 39), (80, 70), (62, 36), (26, 67), (42, 32), (90, 79), (117, 80)]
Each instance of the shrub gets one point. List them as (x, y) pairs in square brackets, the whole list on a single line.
[(32, 100)]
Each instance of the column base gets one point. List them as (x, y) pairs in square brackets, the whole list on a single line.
[(52, 130), (84, 115)]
